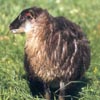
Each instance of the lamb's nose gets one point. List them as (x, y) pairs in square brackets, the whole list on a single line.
[(10, 27)]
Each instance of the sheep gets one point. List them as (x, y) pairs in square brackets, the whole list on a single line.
[(56, 50)]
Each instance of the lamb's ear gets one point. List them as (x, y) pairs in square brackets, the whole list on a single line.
[(36, 11), (32, 13), (43, 16)]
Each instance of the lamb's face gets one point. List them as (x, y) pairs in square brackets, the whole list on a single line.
[(24, 22)]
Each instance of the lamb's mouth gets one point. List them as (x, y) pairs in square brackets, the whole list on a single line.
[(16, 31)]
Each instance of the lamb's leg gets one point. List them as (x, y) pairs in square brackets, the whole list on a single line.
[(47, 92), (62, 91)]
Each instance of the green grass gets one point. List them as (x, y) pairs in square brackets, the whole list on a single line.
[(86, 13)]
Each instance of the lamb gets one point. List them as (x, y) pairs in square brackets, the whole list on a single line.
[(56, 50)]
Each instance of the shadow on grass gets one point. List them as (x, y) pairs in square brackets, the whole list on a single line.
[(72, 91)]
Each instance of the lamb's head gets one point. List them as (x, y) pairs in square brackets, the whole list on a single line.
[(26, 19)]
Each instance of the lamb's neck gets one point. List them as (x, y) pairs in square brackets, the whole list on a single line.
[(38, 31), (35, 40)]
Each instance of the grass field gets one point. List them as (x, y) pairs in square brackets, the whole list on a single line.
[(86, 13)]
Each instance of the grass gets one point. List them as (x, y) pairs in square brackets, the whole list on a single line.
[(86, 13)]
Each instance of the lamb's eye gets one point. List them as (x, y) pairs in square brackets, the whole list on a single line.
[(21, 18)]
